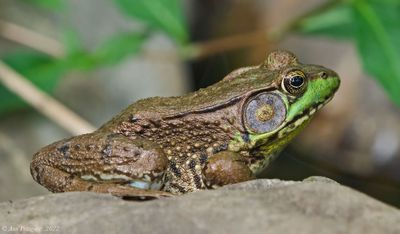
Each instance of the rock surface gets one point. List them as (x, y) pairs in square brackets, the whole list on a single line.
[(261, 206)]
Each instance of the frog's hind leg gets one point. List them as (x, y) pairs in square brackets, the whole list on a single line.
[(59, 181), (104, 163)]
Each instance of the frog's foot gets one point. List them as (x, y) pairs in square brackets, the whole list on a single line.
[(119, 190), (129, 192)]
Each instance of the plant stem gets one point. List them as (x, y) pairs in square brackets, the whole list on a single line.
[(43, 102), (32, 39)]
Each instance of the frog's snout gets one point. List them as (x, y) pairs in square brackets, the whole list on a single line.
[(331, 78)]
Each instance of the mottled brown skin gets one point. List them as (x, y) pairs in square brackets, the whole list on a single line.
[(180, 143)]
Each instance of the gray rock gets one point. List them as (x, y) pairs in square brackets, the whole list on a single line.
[(260, 206)]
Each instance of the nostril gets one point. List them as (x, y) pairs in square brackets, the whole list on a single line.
[(323, 75)]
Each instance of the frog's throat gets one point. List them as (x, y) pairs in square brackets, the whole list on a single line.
[(271, 150), (319, 92)]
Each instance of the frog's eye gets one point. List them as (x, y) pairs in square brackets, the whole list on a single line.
[(294, 82), (264, 112)]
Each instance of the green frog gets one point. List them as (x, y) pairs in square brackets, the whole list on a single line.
[(226, 133)]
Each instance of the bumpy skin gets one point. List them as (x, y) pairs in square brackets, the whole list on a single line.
[(161, 146)]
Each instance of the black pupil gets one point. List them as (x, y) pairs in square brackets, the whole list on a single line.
[(296, 81)]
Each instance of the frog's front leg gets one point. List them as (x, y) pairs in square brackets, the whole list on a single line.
[(224, 168), (104, 163)]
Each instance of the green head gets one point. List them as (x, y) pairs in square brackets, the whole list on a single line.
[(273, 116)]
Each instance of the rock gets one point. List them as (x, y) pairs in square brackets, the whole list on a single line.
[(259, 206)]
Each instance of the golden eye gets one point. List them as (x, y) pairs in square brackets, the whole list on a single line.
[(264, 112), (294, 82)]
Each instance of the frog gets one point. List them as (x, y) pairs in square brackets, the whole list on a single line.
[(226, 133)]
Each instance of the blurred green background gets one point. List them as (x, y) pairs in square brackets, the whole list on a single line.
[(98, 56)]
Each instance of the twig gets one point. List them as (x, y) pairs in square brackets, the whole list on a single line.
[(43, 102), (32, 39)]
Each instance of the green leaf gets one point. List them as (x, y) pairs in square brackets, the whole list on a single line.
[(373, 26), (42, 70), (377, 37), (387, 2), (164, 15), (119, 47), (336, 22), (71, 41), (49, 4), (80, 60), (110, 52)]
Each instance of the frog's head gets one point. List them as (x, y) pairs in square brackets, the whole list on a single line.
[(273, 116)]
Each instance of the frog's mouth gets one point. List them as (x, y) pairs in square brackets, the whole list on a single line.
[(305, 115)]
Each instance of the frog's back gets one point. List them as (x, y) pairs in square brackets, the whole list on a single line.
[(223, 93)]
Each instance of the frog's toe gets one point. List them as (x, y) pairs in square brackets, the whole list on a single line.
[(130, 192)]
